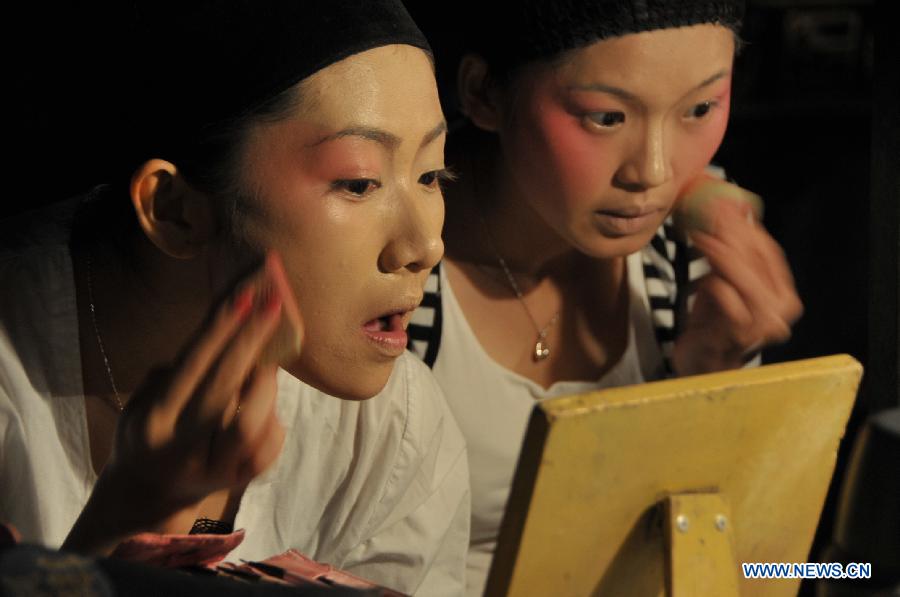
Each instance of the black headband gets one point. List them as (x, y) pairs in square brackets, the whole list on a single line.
[(528, 30), (206, 61)]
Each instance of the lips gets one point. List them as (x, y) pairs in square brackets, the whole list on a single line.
[(388, 330), (626, 221), (386, 323), (629, 212)]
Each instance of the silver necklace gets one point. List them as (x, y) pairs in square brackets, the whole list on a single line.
[(541, 348), (112, 380)]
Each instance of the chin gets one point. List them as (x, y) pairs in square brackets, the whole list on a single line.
[(604, 247), (352, 383)]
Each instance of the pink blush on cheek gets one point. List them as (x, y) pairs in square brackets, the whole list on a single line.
[(567, 152), (698, 150), (725, 101), (715, 133)]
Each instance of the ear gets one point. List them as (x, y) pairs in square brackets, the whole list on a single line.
[(176, 218), (478, 96)]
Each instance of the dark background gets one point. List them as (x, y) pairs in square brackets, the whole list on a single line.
[(799, 135), (815, 129), (807, 133)]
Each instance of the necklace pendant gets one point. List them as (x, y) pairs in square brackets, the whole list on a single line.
[(541, 351)]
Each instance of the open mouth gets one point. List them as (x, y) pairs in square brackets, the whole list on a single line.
[(391, 322), (388, 331)]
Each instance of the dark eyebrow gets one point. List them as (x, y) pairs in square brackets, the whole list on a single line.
[(707, 82), (434, 133), (382, 137), (628, 96), (600, 87)]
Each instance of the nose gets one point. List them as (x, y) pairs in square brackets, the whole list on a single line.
[(415, 242), (648, 165)]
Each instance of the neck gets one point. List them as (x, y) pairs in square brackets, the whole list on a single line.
[(487, 205), (146, 305)]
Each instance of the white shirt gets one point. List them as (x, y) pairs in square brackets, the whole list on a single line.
[(379, 488), (492, 406)]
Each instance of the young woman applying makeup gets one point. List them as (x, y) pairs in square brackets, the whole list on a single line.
[(301, 142), (585, 122)]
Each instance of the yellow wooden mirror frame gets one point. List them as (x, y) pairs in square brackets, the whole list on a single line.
[(604, 476)]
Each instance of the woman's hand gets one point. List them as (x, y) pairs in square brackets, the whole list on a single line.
[(205, 424), (746, 302)]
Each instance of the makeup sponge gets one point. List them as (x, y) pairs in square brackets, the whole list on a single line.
[(693, 210), (284, 347)]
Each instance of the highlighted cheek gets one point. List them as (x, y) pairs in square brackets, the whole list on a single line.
[(571, 152), (725, 102), (706, 142), (720, 122)]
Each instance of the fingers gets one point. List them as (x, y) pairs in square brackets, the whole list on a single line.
[(749, 297), (745, 239), (767, 312), (726, 300), (252, 439), (743, 253), (729, 323), (781, 272), (740, 271), (195, 360), (257, 403), (232, 370), (182, 429)]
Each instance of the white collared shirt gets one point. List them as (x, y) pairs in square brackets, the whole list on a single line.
[(379, 488)]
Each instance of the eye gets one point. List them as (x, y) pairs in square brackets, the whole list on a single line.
[(606, 120), (358, 187), (435, 179), (701, 110)]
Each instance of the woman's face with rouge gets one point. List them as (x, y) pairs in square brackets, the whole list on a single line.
[(600, 142), (347, 191)]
